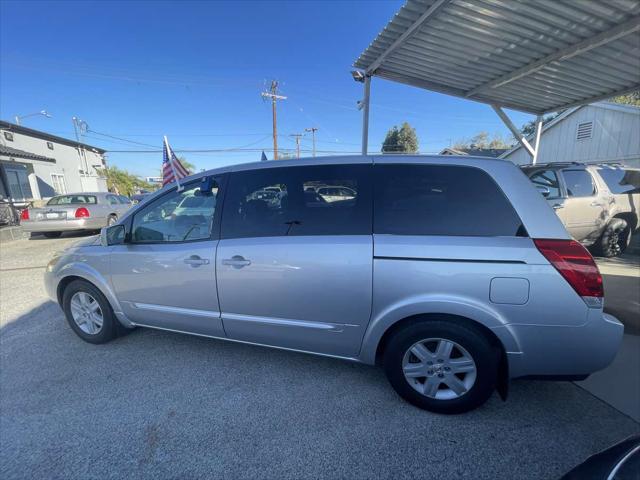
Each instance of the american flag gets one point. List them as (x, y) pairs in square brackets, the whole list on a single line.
[(172, 169)]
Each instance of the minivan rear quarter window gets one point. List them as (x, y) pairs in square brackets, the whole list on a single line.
[(441, 200)]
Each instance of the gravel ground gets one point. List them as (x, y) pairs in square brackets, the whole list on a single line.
[(161, 405)]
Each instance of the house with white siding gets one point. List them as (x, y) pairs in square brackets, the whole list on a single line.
[(599, 132), (36, 165)]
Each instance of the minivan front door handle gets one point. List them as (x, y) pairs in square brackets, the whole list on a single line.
[(196, 261), (596, 204), (236, 261)]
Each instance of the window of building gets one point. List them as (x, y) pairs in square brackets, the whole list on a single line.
[(548, 179), (58, 183), (313, 200), (50, 145), (8, 136), (441, 200), (579, 183), (18, 182), (176, 217)]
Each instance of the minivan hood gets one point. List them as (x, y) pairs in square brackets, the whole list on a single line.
[(86, 242)]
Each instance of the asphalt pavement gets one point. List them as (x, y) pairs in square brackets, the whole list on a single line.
[(160, 405)]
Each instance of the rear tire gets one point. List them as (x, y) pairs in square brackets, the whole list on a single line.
[(52, 234), (441, 382), (111, 220), (615, 239), (89, 313)]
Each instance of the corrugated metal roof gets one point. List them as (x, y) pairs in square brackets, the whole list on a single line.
[(536, 57)]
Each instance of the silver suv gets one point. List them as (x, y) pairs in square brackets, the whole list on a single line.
[(452, 273), (598, 204)]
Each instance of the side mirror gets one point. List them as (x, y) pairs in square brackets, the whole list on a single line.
[(113, 235), (543, 190)]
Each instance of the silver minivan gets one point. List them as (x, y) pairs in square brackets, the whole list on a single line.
[(451, 272)]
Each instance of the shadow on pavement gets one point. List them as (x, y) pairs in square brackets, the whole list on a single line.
[(155, 404)]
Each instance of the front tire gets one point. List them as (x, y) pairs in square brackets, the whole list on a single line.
[(88, 312), (442, 366), (615, 238)]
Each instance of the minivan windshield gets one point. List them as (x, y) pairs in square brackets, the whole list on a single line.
[(72, 200)]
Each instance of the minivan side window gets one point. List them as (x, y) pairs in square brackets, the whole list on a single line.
[(298, 201), (579, 183), (549, 179), (441, 200), (178, 216)]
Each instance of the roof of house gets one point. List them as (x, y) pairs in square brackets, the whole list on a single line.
[(14, 152), (12, 127), (632, 109), (474, 152)]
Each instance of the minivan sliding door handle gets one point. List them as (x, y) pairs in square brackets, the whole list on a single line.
[(196, 261), (236, 261)]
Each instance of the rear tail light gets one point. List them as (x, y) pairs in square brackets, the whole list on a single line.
[(576, 265), (24, 214), (82, 213)]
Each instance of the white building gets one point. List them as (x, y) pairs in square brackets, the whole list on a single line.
[(599, 132), (36, 165)]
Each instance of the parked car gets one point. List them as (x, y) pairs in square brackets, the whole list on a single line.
[(74, 212), (139, 197), (618, 462), (598, 204), (452, 274)]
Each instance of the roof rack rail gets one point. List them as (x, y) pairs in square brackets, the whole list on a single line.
[(546, 164)]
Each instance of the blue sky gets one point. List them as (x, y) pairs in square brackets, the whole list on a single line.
[(194, 71)]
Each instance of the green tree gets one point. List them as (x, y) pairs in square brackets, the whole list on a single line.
[(481, 140), (191, 168), (632, 98), (529, 128), (122, 182), (401, 140)]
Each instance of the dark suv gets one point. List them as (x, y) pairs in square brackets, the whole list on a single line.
[(598, 203)]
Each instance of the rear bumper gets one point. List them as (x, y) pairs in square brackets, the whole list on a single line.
[(564, 351), (62, 225)]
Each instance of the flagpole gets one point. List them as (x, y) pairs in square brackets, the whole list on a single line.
[(170, 159)]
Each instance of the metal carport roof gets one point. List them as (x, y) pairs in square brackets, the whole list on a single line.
[(534, 56)]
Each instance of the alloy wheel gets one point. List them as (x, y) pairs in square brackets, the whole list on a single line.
[(86, 313), (439, 368)]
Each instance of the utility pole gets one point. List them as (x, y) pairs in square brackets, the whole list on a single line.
[(80, 127), (273, 95), (313, 131), (297, 136)]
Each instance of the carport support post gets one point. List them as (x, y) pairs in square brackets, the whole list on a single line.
[(536, 143), (365, 114), (514, 130)]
